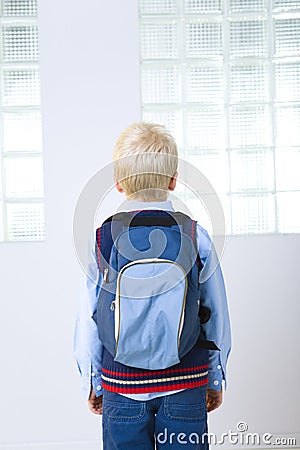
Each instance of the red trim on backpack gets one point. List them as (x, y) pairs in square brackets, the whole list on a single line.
[(193, 236), (98, 248), (193, 231)]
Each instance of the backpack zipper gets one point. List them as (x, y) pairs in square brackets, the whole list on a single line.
[(116, 302)]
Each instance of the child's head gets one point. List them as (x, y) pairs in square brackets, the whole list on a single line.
[(145, 162)]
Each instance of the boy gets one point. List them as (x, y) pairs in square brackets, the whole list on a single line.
[(166, 408)]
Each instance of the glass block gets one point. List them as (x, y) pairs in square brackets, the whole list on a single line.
[(252, 170), (201, 208), (157, 7), (287, 169), (249, 82), (287, 36), (159, 40), (25, 221), (287, 79), (22, 132), (205, 128), (285, 5), (253, 214), (247, 5), (287, 126), (23, 177), (20, 43), (250, 127), (248, 38), (172, 120), (204, 83), (204, 39), (21, 87), (161, 85), (288, 212), (199, 211), (214, 166), (19, 8), (202, 6)]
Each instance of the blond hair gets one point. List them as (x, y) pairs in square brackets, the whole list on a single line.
[(145, 159)]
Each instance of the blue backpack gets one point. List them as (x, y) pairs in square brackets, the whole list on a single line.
[(148, 312)]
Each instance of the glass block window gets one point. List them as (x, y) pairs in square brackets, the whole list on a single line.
[(21, 165), (224, 77)]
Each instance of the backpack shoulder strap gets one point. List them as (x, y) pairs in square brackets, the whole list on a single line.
[(104, 238), (189, 227)]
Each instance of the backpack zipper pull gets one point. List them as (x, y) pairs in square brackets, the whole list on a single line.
[(105, 274), (113, 305)]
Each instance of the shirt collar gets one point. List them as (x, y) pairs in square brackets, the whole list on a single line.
[(134, 205)]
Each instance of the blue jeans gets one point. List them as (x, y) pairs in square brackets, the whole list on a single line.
[(176, 421)]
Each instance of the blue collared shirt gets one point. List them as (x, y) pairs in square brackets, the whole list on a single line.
[(88, 347)]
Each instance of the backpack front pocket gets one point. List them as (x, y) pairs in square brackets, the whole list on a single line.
[(149, 313)]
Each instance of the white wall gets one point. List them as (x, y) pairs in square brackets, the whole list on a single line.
[(263, 284), (90, 92)]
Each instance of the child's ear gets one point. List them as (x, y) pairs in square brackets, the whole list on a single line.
[(172, 184), (118, 186)]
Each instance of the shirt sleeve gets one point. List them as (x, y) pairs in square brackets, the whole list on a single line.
[(87, 346), (213, 296)]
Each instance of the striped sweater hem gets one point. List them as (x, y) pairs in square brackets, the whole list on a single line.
[(128, 380)]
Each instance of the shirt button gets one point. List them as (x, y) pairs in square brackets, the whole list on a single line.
[(216, 382), (218, 366), (98, 388), (93, 374)]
